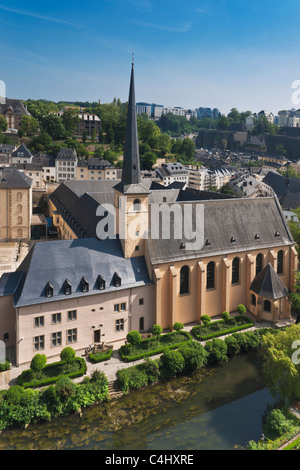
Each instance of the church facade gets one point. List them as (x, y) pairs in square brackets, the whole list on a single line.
[(87, 289)]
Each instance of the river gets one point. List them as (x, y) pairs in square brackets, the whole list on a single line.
[(219, 408)]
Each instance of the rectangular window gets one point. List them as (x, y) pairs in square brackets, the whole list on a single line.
[(72, 315), (141, 302), (39, 343), (120, 325), (56, 339), (116, 308), (38, 322), (72, 335), (56, 318), (123, 307)]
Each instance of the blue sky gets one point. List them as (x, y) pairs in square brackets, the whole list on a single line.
[(211, 53)]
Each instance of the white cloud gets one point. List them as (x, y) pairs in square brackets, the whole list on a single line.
[(37, 15)]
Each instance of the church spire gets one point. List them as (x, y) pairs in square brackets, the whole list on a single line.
[(131, 164)]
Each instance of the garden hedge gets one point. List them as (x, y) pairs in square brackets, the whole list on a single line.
[(100, 357), (197, 330), (152, 352), (22, 379)]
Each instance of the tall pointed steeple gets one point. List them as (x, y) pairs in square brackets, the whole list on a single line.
[(131, 174)]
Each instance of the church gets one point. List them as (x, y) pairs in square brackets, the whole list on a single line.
[(173, 256)]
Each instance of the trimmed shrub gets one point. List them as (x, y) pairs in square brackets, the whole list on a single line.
[(134, 338), (157, 330), (172, 363), (68, 355), (38, 363), (241, 309), (5, 366), (101, 356), (226, 316), (205, 319), (178, 326)]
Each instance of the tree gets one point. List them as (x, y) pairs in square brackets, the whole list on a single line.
[(3, 124), (70, 119), (194, 354), (294, 226), (172, 363), (205, 319), (68, 355), (28, 125), (157, 331), (281, 363), (223, 123), (53, 125), (217, 349), (241, 309), (38, 363), (84, 136), (187, 150), (134, 338)]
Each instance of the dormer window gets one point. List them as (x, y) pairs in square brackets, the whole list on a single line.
[(67, 287), (85, 286), (101, 282), (117, 280), (49, 290)]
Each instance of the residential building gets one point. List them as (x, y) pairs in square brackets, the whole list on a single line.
[(203, 178), (95, 169), (65, 164), (21, 155), (13, 111), (88, 123), (15, 205), (289, 118), (168, 173)]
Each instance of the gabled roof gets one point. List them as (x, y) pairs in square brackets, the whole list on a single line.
[(15, 105), (222, 220), (67, 154), (268, 284), (22, 152)]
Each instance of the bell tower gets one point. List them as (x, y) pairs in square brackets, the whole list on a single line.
[(131, 197)]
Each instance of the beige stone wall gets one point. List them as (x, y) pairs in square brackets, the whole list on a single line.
[(64, 230), (15, 214), (92, 311), (188, 308)]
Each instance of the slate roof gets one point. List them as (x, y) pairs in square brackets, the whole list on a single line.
[(286, 189), (15, 105), (22, 152), (67, 154), (268, 284), (56, 261), (12, 178), (224, 220)]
